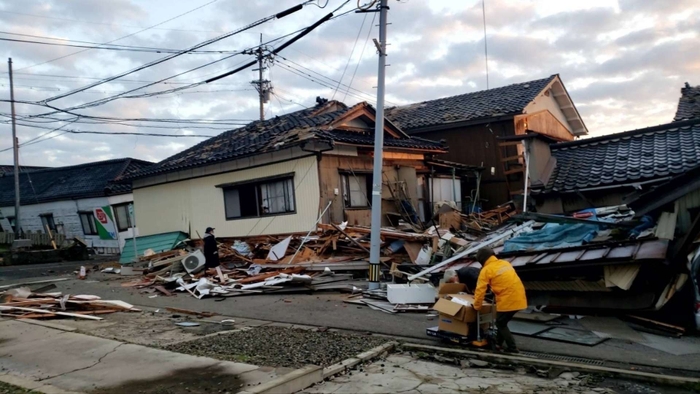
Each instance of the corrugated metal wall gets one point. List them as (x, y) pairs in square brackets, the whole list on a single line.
[(197, 203)]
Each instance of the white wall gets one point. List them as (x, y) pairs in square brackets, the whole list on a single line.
[(65, 213), (197, 203), (543, 102)]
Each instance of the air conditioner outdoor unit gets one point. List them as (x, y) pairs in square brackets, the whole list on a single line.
[(194, 262)]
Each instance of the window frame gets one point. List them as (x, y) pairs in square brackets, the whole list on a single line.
[(91, 221), (345, 184), (116, 216), (257, 183), (45, 221)]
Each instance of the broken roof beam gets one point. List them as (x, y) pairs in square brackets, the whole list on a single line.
[(546, 218), (488, 242)]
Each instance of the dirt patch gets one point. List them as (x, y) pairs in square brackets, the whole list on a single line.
[(280, 347), (185, 381)]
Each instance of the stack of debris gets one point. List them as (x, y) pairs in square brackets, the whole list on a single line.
[(23, 303)]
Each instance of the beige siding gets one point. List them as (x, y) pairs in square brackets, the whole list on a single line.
[(549, 103), (197, 203)]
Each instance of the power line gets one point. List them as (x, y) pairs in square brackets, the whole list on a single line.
[(110, 47), (108, 24), (364, 19), (174, 55), (121, 38), (362, 54)]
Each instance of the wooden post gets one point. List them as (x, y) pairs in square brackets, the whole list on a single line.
[(48, 230)]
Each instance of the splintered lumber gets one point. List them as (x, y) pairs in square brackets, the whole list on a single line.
[(261, 277), (392, 234), (32, 283), (349, 237), (189, 312), (17, 308)]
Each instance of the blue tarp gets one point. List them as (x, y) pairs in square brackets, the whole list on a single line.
[(553, 236)]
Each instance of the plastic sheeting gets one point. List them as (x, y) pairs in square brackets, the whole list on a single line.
[(553, 236)]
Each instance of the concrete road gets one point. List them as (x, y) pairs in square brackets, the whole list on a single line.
[(328, 310), (16, 272), (51, 360)]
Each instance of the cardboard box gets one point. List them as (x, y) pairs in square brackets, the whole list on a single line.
[(455, 310)]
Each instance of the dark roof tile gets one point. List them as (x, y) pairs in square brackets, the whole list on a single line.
[(72, 182), (276, 133), (689, 103), (637, 155), (506, 100)]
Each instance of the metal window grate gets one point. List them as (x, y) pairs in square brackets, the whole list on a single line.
[(555, 357)]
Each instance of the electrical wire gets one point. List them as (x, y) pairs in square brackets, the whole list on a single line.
[(362, 54), (120, 38), (108, 24), (167, 58), (350, 57), (110, 47)]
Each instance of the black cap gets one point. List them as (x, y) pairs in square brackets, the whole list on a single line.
[(483, 254), (209, 229)]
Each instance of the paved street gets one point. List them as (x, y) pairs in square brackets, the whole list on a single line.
[(327, 309)]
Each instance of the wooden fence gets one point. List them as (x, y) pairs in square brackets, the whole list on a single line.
[(37, 238)]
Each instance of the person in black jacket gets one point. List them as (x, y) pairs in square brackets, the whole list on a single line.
[(211, 251)]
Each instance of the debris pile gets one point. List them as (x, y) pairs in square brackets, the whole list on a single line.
[(23, 303)]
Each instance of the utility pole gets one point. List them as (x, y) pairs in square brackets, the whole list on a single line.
[(262, 85), (15, 150), (374, 264)]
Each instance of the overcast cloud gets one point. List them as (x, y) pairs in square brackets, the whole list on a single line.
[(623, 62)]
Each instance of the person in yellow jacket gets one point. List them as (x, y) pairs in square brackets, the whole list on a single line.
[(509, 291)]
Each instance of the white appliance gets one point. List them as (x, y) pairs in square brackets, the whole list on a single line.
[(194, 262)]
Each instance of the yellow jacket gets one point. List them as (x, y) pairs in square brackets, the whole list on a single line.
[(505, 284)]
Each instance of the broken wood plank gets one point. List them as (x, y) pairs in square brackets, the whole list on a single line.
[(17, 308), (349, 237), (193, 313), (36, 282), (163, 291)]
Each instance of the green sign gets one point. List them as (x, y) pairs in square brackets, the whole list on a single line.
[(104, 221)]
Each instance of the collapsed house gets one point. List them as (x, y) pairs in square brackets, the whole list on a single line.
[(631, 204), (65, 202), (277, 176), (473, 123)]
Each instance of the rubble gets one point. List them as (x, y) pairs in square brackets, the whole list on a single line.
[(23, 303)]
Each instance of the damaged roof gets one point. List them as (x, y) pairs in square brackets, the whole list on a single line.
[(653, 153), (689, 103), (316, 123), (69, 183), (505, 100)]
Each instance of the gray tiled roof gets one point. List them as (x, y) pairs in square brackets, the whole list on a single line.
[(71, 182), (506, 100), (274, 134), (689, 103), (633, 156)]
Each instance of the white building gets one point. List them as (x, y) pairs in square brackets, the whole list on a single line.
[(64, 198)]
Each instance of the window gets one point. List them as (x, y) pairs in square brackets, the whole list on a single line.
[(273, 196), (121, 217), (356, 190), (47, 221), (87, 220)]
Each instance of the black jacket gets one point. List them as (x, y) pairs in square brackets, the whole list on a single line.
[(211, 251)]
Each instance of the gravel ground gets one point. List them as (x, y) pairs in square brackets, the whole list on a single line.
[(280, 347), (11, 389)]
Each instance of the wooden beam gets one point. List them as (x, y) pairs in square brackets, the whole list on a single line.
[(17, 308)]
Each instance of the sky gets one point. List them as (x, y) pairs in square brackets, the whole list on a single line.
[(623, 63)]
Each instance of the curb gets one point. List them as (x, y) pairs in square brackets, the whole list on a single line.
[(312, 374), (669, 380), (290, 383), (353, 361)]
